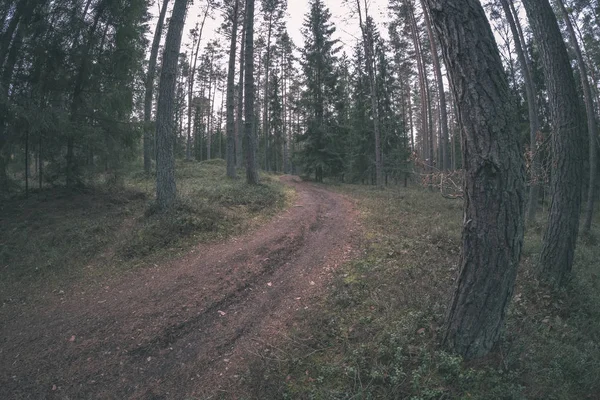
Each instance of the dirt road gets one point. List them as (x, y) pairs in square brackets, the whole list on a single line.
[(184, 329)]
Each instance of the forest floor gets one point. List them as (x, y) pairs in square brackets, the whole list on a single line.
[(183, 328)]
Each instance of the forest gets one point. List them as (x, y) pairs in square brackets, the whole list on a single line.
[(399, 201)]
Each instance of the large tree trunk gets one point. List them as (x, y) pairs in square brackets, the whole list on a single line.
[(251, 169), (560, 238), (494, 177), (534, 124), (443, 140), (149, 95), (230, 95), (166, 190), (591, 118)]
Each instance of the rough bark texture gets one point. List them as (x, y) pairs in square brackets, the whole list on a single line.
[(251, 168), (149, 95), (591, 118), (534, 124), (558, 249), (494, 177), (230, 95), (166, 191)]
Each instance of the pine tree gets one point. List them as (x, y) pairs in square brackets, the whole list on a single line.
[(319, 66), (494, 178), (166, 191)]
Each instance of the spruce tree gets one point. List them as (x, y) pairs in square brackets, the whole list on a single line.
[(319, 66)]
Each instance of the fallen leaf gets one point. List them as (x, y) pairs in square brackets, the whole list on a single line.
[(72, 339), (53, 387), (421, 331)]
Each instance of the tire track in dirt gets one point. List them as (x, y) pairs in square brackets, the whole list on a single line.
[(184, 329)]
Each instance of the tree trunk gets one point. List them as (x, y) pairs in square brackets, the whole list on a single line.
[(534, 124), (422, 86), (266, 93), (591, 118), (251, 169), (80, 79), (192, 75), (494, 177), (149, 95), (369, 49), (166, 190), (560, 238), (240, 109), (230, 95), (443, 143)]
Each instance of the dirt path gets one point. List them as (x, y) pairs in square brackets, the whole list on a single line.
[(181, 330)]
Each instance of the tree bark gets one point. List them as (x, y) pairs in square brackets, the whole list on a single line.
[(251, 168), (149, 95), (230, 95), (560, 238), (166, 190), (591, 118), (492, 235)]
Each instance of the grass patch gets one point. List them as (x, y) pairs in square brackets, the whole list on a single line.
[(377, 334), (57, 236)]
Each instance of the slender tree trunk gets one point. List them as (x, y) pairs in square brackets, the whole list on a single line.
[(251, 169), (443, 143), (534, 124), (369, 49), (560, 238), (422, 85), (166, 190), (211, 119), (266, 93), (494, 177), (149, 95), (591, 118), (5, 80), (230, 94), (220, 126), (240, 109), (191, 82), (80, 79)]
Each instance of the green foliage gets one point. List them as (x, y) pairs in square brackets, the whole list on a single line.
[(74, 80), (377, 335)]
